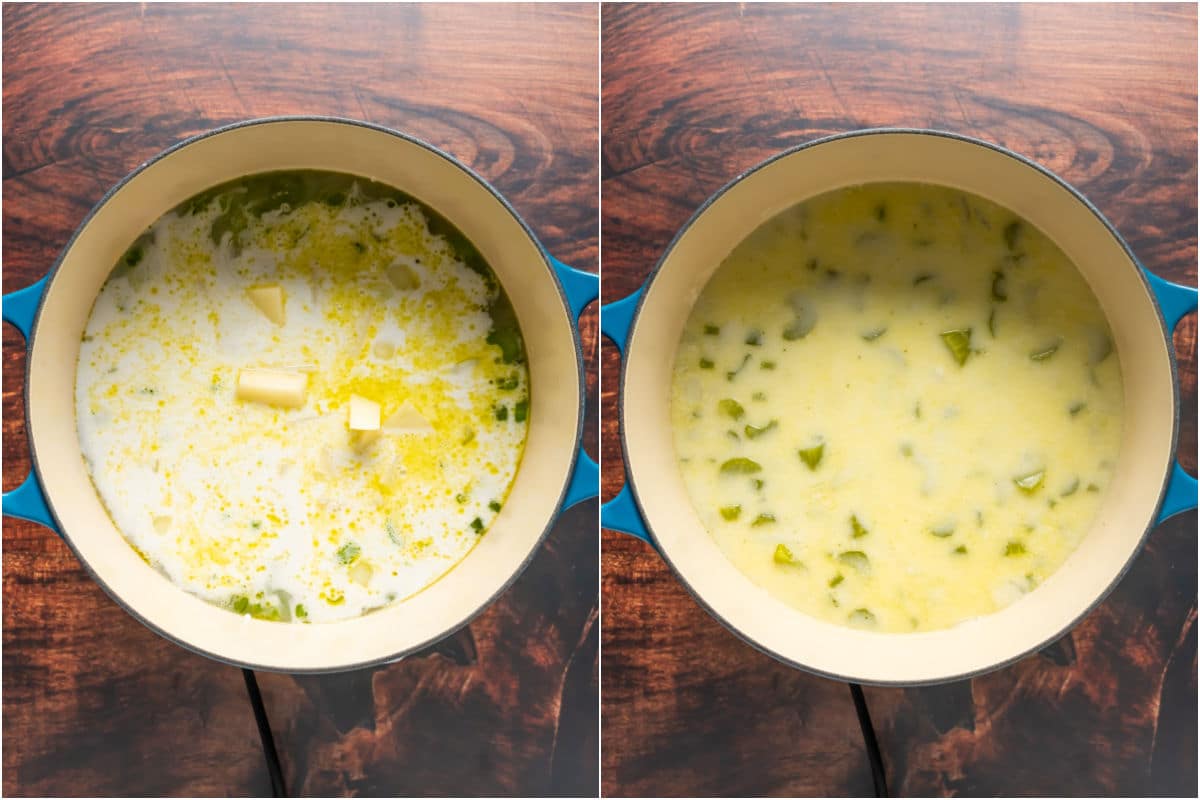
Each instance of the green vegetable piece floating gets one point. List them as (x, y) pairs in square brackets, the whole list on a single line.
[(759, 396), (857, 531), (731, 408), (836, 579), (1031, 482), (862, 616), (706, 363), (1076, 408), (712, 330), (729, 376), (874, 334), (754, 337), (958, 342), (1012, 234), (477, 525), (767, 365), (1044, 353), (753, 432), (460, 498), (758, 484), (811, 456), (783, 555), (521, 410), (512, 350), (495, 506), (348, 553), (740, 466), (999, 287), (961, 550), (763, 519), (922, 278), (856, 559), (1014, 549), (501, 413), (240, 604), (301, 611), (730, 513)]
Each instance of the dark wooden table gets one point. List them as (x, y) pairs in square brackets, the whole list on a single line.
[(94, 703), (1106, 97)]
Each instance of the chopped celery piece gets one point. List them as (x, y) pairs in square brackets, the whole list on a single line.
[(874, 334), (924, 276), (783, 555), (759, 396), (767, 365), (943, 531), (348, 553), (763, 519), (958, 342), (501, 413), (1044, 353), (730, 513), (1076, 408), (999, 287), (1012, 234), (1030, 482), (734, 372), (862, 616), (495, 506), (1071, 488), (836, 579), (477, 525), (758, 484), (1014, 549), (754, 337), (706, 363), (753, 432), (740, 466), (521, 410), (712, 330), (961, 550), (856, 559), (731, 408), (301, 611), (857, 531), (811, 456)]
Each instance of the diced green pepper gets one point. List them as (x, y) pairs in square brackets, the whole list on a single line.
[(1030, 482), (501, 413), (1044, 353), (958, 342), (477, 525), (1014, 548), (764, 518), (240, 604), (301, 611), (740, 466), (712, 330), (348, 553), (783, 555), (767, 365), (961, 550), (495, 506), (857, 531), (706, 363), (731, 408), (730, 513), (753, 432), (521, 410), (811, 456), (856, 559), (836, 579)]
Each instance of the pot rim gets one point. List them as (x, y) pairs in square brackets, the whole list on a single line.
[(53, 273), (1021, 160)]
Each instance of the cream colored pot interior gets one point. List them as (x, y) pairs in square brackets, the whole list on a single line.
[(554, 413), (1128, 510)]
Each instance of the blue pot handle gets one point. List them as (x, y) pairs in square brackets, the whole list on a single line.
[(26, 501), (1175, 301), (580, 288), (621, 514)]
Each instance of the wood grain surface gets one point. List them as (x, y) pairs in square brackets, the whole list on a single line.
[(94, 703), (1105, 96)]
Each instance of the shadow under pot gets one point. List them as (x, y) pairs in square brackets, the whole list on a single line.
[(654, 327), (543, 299)]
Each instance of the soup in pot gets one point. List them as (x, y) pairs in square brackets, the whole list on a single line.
[(302, 396), (897, 406)]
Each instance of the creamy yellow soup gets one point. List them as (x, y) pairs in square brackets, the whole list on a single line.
[(302, 396), (896, 406)]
